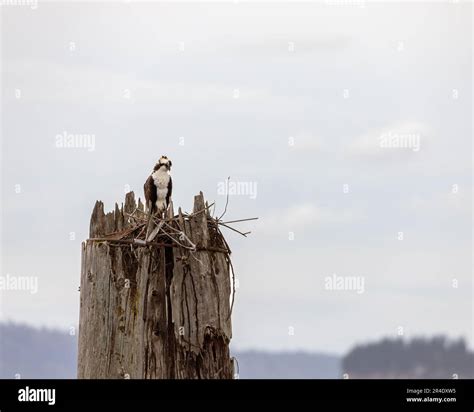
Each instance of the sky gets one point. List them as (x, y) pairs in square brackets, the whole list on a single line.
[(346, 126)]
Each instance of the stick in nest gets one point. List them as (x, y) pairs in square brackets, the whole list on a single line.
[(233, 287), (226, 200)]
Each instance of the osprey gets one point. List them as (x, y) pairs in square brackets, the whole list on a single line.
[(158, 187)]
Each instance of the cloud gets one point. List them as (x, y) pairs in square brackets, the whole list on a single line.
[(400, 139), (92, 85), (306, 141), (295, 44), (454, 202), (304, 216)]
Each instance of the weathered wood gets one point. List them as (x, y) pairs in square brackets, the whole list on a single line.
[(151, 311)]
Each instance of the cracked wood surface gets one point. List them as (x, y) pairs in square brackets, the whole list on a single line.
[(153, 312)]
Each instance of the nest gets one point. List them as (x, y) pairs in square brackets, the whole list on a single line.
[(192, 232), (145, 229), (173, 231)]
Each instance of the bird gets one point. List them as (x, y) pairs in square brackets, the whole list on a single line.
[(158, 187)]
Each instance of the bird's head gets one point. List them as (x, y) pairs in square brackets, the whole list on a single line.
[(163, 162)]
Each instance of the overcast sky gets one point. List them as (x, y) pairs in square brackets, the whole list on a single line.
[(294, 100)]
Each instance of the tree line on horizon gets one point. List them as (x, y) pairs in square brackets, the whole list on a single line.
[(432, 358), (44, 353)]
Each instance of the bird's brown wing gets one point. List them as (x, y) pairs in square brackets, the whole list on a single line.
[(170, 189), (150, 193)]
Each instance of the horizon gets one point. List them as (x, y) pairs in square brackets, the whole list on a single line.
[(449, 339)]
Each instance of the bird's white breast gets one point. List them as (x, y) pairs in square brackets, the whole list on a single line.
[(161, 179)]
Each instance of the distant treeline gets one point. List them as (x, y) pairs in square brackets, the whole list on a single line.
[(27, 352), (430, 358)]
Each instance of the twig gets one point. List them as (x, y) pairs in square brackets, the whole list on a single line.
[(150, 217), (240, 220), (198, 211), (235, 230), (223, 239), (192, 247), (141, 242), (227, 199), (233, 287), (155, 231)]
